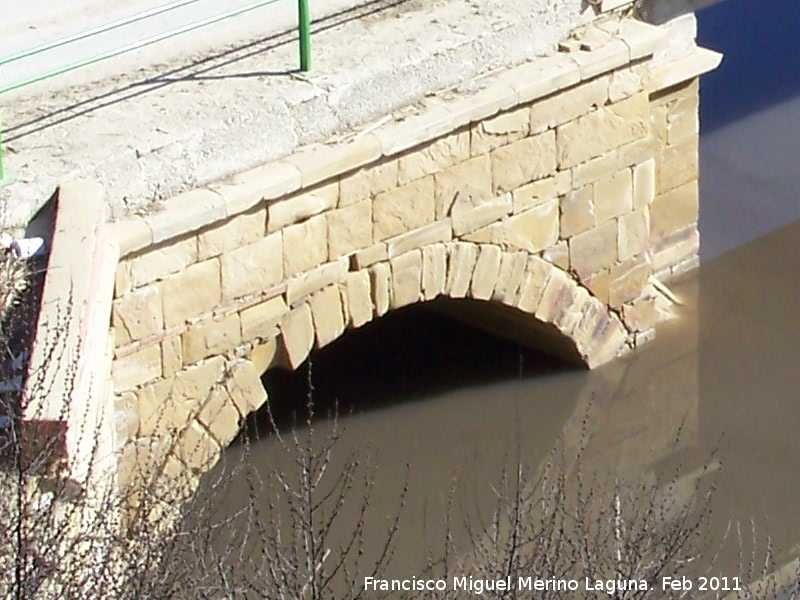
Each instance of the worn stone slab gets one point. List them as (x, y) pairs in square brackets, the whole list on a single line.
[(432, 122), (512, 270), (327, 314), (533, 230), (359, 299), (499, 131), (406, 278), (320, 162), (440, 154), (368, 182), (311, 281), (674, 211), (438, 231), (163, 260), (486, 270), (240, 230), (305, 245), (535, 277), (522, 162), (299, 207), (613, 196), (577, 211), (191, 293), (536, 192), (634, 233), (541, 77), (460, 266), (434, 270), (220, 416), (210, 338), (186, 213), (245, 388), (137, 368), (245, 190), (403, 209), (297, 333), (349, 229), (469, 181), (137, 315), (380, 278), (594, 249), (644, 183), (260, 320), (253, 267), (131, 234)]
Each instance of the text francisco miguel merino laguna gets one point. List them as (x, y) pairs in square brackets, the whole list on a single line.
[(479, 586)]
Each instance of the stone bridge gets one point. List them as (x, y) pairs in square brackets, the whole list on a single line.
[(549, 205)]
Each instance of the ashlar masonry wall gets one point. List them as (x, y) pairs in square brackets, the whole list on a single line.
[(554, 200)]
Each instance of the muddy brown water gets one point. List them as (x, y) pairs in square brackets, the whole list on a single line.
[(434, 402)]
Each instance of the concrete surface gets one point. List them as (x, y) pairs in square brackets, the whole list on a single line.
[(155, 132)]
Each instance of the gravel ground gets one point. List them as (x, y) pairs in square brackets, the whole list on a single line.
[(154, 132)]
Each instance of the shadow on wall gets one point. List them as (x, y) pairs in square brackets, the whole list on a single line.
[(762, 58)]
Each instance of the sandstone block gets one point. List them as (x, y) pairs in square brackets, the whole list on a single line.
[(510, 276), (638, 151), (556, 297), (595, 169), (126, 418), (610, 55), (603, 130), (171, 356), (536, 79), (319, 162), (380, 277), (312, 281), (558, 254), (245, 190), (460, 266), (536, 192), (572, 310), (260, 320), (137, 368), (599, 284), (122, 279), (131, 234), (305, 245), (297, 329), (469, 183), (368, 182), (434, 270), (626, 82), (268, 354), (435, 157), (359, 300), (577, 211), (186, 213), (679, 165), (209, 338), (438, 231), (683, 126), (486, 270), (634, 233), (494, 95), (594, 249), (240, 230), (642, 314), (501, 130), (191, 293), (468, 217), (196, 449), (191, 386), (291, 210), (406, 278), (159, 412), (252, 268), (534, 281), (658, 124), (403, 209), (166, 260), (523, 161), (613, 196), (349, 229), (533, 230), (245, 388), (220, 416), (676, 248), (567, 105), (326, 312), (137, 315), (628, 279), (674, 211), (416, 129), (369, 256), (644, 183)]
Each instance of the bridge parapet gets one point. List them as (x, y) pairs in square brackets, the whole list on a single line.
[(551, 201)]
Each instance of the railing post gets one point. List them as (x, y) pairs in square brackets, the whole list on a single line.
[(304, 30)]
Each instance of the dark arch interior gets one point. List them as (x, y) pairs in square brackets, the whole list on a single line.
[(406, 356)]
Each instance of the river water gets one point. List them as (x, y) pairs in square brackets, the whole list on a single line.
[(714, 399)]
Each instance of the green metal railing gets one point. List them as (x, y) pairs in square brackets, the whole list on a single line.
[(304, 38)]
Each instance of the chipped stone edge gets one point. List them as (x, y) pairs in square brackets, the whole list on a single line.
[(69, 373), (311, 164)]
